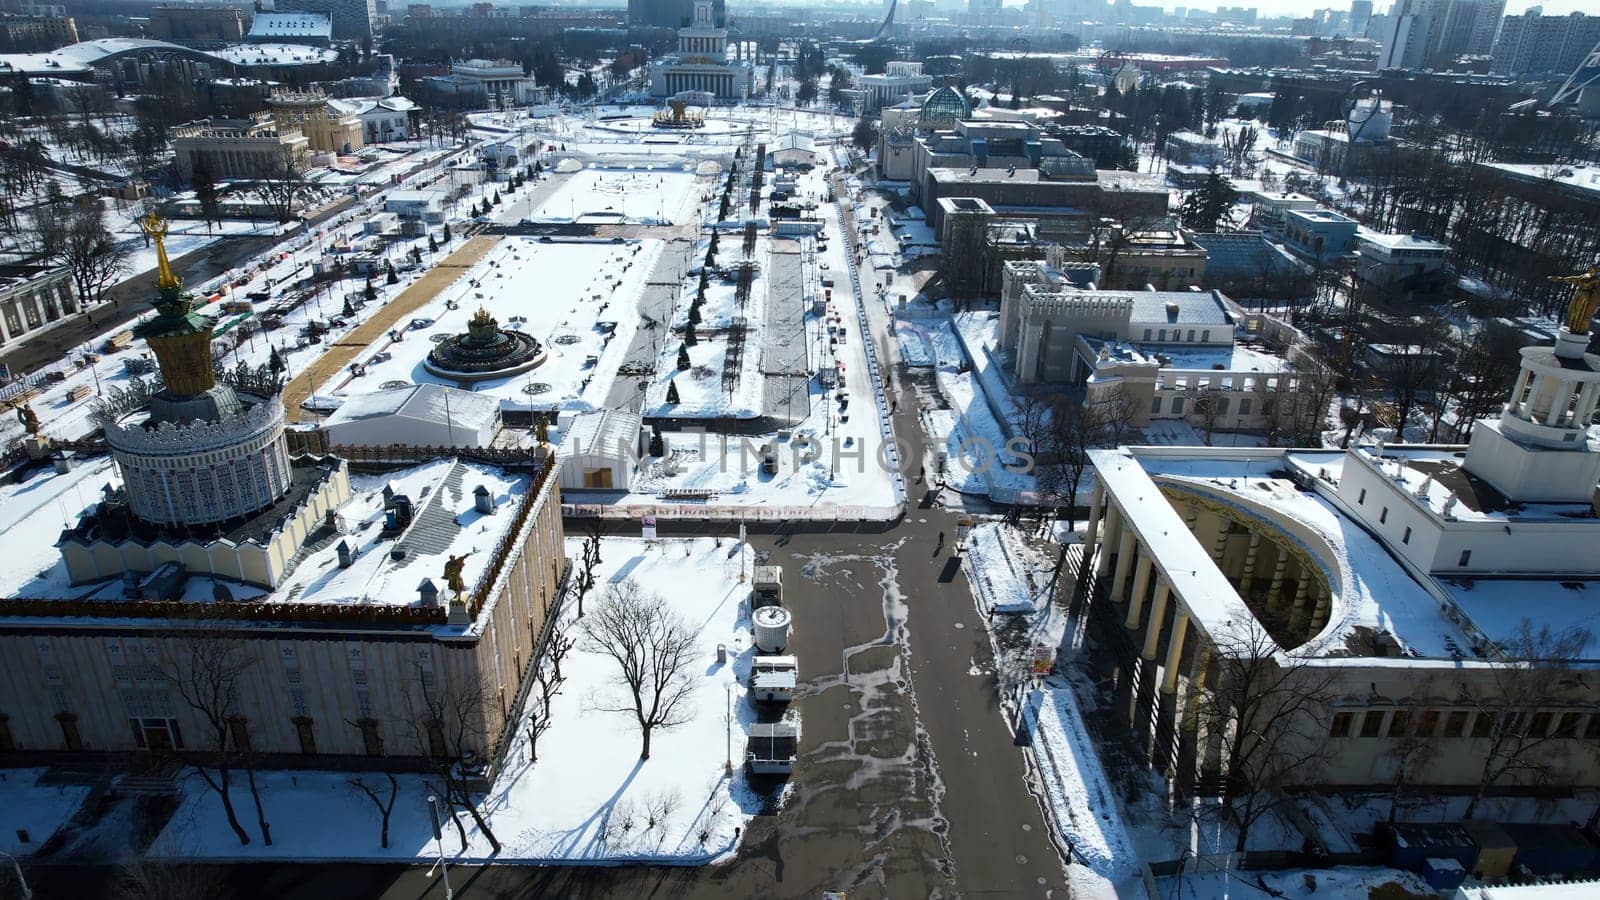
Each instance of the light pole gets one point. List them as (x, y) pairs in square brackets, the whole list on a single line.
[(727, 740), (438, 841)]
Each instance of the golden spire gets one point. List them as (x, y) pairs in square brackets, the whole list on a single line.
[(155, 228), (481, 318)]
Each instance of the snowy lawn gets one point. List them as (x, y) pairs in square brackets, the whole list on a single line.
[(589, 798), (31, 809)]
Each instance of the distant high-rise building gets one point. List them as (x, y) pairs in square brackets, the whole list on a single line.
[(1360, 14), (672, 13), (1533, 44), (1434, 33)]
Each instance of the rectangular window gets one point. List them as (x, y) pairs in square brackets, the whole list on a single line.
[(1539, 724), (1399, 722), (1466, 557), (69, 731), (1383, 516), (1406, 538), (1244, 406), (1205, 336), (304, 731), (1427, 721), (1568, 726), (436, 743), (371, 741), (1482, 725), (1163, 335), (1341, 725), (239, 730), (1147, 334), (1372, 724), (1177, 406), (1362, 498), (1455, 724), (1155, 406), (1191, 335)]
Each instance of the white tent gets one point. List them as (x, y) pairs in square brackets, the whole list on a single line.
[(420, 415)]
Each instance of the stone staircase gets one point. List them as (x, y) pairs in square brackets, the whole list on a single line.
[(435, 527)]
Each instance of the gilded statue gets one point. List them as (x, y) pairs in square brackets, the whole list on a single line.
[(1585, 297), (452, 573), (155, 228)]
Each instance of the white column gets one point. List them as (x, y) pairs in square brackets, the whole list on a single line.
[(1169, 678), (1249, 576), (1112, 535), (1558, 402), (1124, 561), (1096, 508), (1152, 627), (1141, 586)]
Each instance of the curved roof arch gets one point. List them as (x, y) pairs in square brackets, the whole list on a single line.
[(82, 57)]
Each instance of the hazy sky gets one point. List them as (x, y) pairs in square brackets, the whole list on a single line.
[(1301, 7)]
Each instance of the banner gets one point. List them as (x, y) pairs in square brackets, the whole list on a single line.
[(649, 528)]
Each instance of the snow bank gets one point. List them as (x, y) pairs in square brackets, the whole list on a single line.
[(1082, 805), (1006, 575)]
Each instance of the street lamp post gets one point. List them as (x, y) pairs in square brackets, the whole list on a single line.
[(438, 841)]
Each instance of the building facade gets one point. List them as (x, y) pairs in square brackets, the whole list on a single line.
[(1409, 584), (701, 63), (34, 297), (1534, 44), (238, 148)]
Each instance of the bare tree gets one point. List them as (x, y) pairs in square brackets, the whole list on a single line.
[(384, 804), (281, 185), (97, 261), (1413, 744), (1266, 714), (141, 878), (589, 561), (654, 650), (1061, 430), (448, 725), (1531, 672), (1209, 408), (205, 667), (548, 679)]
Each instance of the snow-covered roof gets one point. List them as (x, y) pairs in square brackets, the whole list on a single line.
[(1401, 241), (1372, 591), (420, 403), (1180, 307), (317, 26)]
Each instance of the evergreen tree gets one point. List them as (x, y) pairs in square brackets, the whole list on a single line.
[(447, 232), (658, 446), (694, 314), (349, 309), (496, 198), (672, 393), (689, 336), (275, 363), (433, 245), (369, 293), (1205, 206), (390, 277), (683, 357)]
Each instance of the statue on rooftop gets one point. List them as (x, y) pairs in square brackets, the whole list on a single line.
[(452, 573), (1585, 297)]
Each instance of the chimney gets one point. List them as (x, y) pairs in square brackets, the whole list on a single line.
[(482, 500), (346, 555), (428, 593)]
